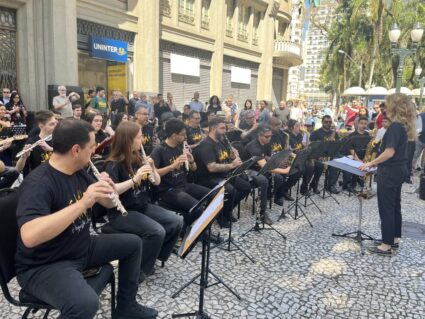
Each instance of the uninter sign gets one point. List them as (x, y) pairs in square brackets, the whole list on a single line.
[(108, 49)]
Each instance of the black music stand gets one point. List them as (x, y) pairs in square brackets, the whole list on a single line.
[(347, 165), (201, 230), (274, 162), (298, 166), (231, 179)]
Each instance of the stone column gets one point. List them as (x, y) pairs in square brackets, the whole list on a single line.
[(265, 71), (218, 10), (146, 47)]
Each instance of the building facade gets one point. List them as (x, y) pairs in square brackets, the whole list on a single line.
[(216, 47)]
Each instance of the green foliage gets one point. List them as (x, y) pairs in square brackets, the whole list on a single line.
[(361, 30)]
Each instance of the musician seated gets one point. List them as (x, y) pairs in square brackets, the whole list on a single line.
[(260, 147), (102, 137), (141, 117), (214, 162), (171, 159), (280, 142), (31, 159), (325, 133), (358, 151), (194, 131), (54, 244), (158, 227)]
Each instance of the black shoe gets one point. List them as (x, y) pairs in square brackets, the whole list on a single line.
[(351, 190), (216, 239), (315, 189), (393, 246), (234, 219), (265, 218), (134, 310), (376, 250), (305, 192), (408, 180), (142, 277), (288, 197), (223, 223), (333, 190), (278, 201)]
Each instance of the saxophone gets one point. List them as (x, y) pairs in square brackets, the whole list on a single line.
[(370, 155)]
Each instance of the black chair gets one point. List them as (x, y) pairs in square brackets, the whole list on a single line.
[(8, 242)]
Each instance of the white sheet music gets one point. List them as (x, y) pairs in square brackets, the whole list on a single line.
[(353, 163)]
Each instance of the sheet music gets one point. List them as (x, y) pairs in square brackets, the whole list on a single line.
[(353, 163)]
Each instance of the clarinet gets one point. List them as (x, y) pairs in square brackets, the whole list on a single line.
[(145, 161), (115, 197), (186, 162), (230, 148)]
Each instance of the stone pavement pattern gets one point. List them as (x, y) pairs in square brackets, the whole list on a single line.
[(310, 275)]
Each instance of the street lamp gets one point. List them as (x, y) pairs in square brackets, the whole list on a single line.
[(360, 66), (403, 53), (421, 81)]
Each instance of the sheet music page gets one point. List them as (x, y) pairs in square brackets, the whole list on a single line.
[(353, 163)]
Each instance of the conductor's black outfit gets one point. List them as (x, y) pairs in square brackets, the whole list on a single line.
[(391, 175)]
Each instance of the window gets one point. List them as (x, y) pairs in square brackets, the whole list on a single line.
[(186, 11), (205, 14), (230, 6), (244, 13)]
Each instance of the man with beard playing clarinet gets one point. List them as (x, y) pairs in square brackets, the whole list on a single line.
[(214, 161), (54, 244)]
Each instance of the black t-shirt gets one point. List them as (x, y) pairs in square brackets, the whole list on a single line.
[(210, 151), (159, 110), (254, 148), (136, 198), (118, 106), (295, 142), (395, 137), (321, 135), (147, 132), (194, 135), (43, 192), (278, 142), (37, 156), (165, 155), (357, 144)]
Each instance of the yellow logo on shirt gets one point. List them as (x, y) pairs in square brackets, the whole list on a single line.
[(223, 156), (276, 147), (196, 137)]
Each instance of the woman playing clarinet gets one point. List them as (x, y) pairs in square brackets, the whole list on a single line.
[(392, 170)]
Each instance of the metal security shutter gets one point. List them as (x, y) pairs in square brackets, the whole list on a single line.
[(277, 85), (182, 86), (240, 92)]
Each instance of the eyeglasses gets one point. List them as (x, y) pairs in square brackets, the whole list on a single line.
[(6, 92)]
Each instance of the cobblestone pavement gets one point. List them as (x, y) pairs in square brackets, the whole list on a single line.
[(310, 275)]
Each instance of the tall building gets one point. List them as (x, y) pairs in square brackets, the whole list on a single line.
[(296, 36), (321, 13), (216, 47)]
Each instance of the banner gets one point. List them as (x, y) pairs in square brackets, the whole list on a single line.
[(185, 65), (108, 49)]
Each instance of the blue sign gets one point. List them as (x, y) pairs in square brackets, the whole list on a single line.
[(108, 49)]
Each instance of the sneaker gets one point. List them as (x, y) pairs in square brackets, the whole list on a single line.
[(393, 246), (133, 311), (265, 218)]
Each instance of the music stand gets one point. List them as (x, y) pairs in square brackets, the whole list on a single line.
[(231, 179), (201, 230), (274, 162), (352, 166), (298, 166)]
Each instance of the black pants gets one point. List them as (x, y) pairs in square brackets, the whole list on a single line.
[(62, 285), (184, 198), (389, 182), (283, 183), (318, 170), (241, 188), (159, 229), (262, 182)]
